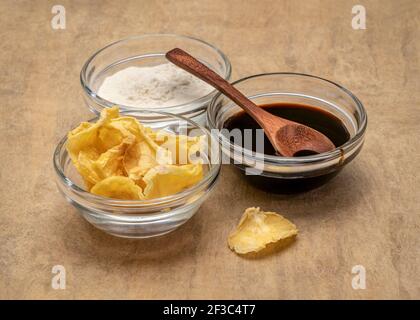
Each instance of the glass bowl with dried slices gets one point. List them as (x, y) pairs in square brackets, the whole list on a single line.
[(134, 177)]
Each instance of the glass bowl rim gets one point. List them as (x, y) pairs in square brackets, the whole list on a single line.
[(206, 180), (108, 104), (277, 160)]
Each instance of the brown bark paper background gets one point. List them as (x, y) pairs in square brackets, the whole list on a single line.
[(369, 215)]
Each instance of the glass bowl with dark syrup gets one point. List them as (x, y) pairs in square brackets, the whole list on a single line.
[(310, 100)]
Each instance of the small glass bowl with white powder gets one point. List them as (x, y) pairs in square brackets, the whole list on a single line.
[(134, 74)]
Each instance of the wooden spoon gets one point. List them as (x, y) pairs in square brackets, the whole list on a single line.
[(288, 138)]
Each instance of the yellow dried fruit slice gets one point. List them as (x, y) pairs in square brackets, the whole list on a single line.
[(86, 136), (118, 157), (85, 166), (118, 187), (143, 156), (139, 159), (165, 180), (257, 229), (110, 163), (109, 137), (84, 146), (182, 147)]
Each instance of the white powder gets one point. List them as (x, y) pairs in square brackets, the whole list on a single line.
[(158, 86)]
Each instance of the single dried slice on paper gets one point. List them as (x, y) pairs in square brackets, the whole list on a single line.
[(257, 229), (118, 187)]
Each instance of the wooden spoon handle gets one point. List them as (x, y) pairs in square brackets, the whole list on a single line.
[(187, 62)]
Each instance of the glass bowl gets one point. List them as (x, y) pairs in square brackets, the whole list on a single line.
[(141, 218), (291, 174), (149, 50)]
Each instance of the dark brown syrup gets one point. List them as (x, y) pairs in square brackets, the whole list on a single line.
[(318, 119)]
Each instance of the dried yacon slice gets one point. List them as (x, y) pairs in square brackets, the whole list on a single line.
[(85, 167), (139, 159), (165, 180), (84, 146), (118, 188), (183, 148), (257, 229), (143, 156), (130, 126), (119, 152), (110, 163), (109, 137), (86, 135)]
